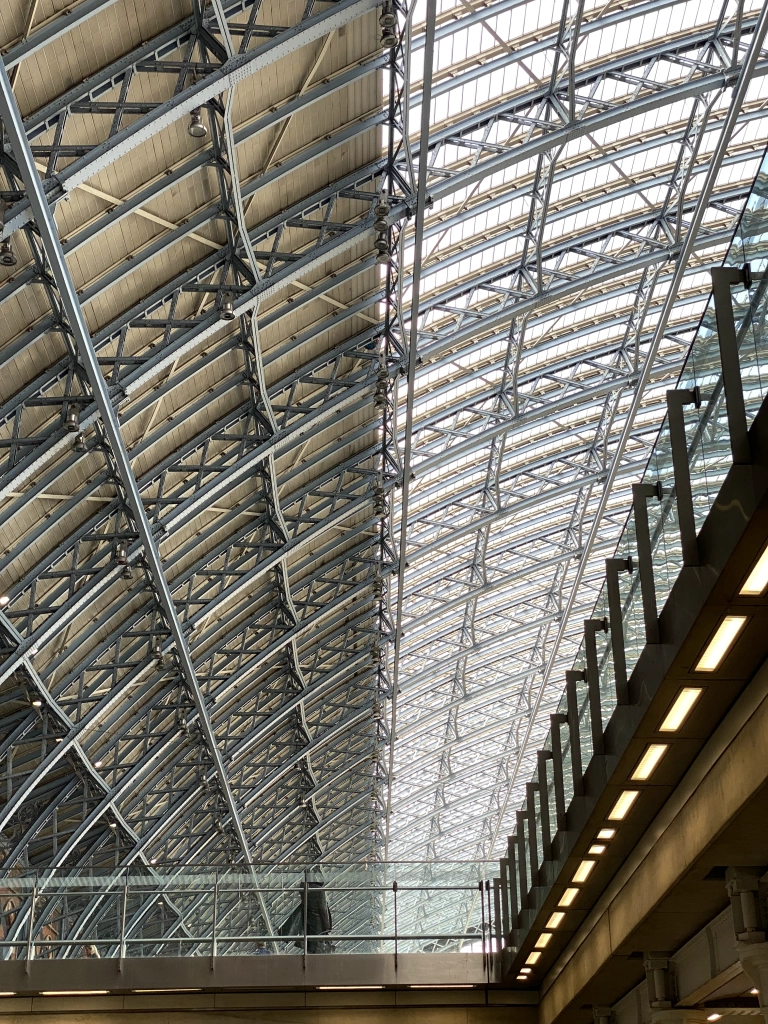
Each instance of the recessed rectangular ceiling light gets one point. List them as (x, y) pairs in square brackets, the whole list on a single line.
[(555, 919), (680, 710), (355, 988), (596, 849), (568, 897), (648, 762), (757, 580), (623, 805), (543, 940), (721, 643), (583, 871), (522, 977), (606, 833), (78, 992), (532, 958), (525, 970)]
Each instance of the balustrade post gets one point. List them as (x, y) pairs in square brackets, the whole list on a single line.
[(546, 831), (572, 697), (505, 898), (515, 903), (613, 566), (723, 279), (556, 721), (640, 495), (676, 402), (522, 858), (591, 627), (533, 846)]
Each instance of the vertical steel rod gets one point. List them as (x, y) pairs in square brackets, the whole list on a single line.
[(30, 946)]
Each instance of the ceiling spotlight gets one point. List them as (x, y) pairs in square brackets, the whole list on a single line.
[(196, 128), (4, 600), (37, 703), (113, 824), (79, 445), (97, 764), (127, 572), (227, 308), (121, 553), (388, 38), (72, 420), (8, 257)]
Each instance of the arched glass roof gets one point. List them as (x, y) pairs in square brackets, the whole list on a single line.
[(312, 598)]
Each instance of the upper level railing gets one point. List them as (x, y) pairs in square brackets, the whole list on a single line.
[(144, 911), (721, 388)]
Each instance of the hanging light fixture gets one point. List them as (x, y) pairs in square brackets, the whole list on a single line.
[(387, 21), (79, 443), (196, 128), (8, 257), (381, 210), (121, 553), (71, 420), (227, 308), (127, 572)]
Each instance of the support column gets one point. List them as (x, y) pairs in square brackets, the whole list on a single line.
[(750, 914), (723, 279), (676, 401), (661, 994), (640, 495)]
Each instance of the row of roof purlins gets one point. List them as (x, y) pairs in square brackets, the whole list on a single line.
[(218, 173)]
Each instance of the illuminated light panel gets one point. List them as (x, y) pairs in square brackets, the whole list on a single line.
[(649, 761), (525, 970), (583, 871), (596, 849), (684, 704), (623, 805), (721, 643), (522, 977), (543, 940), (555, 919), (361, 988), (714, 1016), (757, 580), (568, 897), (606, 833), (4, 600), (78, 992), (533, 958)]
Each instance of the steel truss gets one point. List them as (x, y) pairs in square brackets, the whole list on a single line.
[(267, 516), (555, 210)]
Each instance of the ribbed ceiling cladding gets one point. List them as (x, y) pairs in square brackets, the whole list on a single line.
[(254, 443)]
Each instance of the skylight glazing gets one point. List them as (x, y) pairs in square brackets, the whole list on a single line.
[(568, 146)]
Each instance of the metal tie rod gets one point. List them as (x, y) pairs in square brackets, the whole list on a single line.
[(9, 112)]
